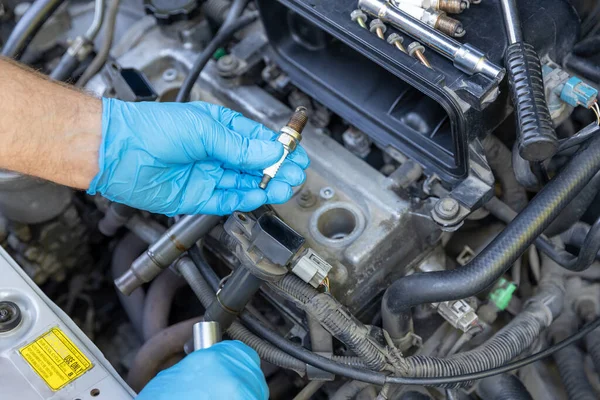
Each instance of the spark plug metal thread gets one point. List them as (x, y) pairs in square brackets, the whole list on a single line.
[(289, 136), (449, 26), (451, 6)]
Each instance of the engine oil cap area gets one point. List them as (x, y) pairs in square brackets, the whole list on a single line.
[(10, 316), (55, 358)]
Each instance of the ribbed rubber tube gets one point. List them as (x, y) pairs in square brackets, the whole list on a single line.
[(509, 342), (28, 26), (237, 331), (489, 265), (592, 345), (536, 137), (335, 319), (502, 387), (571, 368)]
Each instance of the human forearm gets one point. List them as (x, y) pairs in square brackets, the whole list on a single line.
[(48, 130)]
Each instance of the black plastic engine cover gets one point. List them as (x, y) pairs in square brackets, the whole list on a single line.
[(429, 115)]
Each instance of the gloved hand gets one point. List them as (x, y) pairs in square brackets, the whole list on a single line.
[(227, 370), (190, 158)]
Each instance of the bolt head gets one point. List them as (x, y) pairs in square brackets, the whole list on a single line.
[(447, 208), (358, 14), (414, 47), (394, 37), (377, 24)]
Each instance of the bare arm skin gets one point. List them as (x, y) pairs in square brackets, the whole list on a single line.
[(47, 130)]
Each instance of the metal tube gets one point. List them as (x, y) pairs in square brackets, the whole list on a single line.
[(231, 300), (206, 333), (176, 240), (512, 21), (94, 28), (464, 56)]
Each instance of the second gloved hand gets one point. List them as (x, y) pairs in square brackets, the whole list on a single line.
[(228, 370), (190, 158)]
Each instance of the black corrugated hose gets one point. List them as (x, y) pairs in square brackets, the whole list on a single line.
[(572, 372), (502, 387), (509, 342), (335, 318), (376, 378), (489, 265), (28, 26)]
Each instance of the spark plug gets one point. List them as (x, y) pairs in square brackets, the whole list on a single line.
[(289, 136), (449, 6), (438, 20)]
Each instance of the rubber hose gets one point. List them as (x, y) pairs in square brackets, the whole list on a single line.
[(156, 351), (589, 47), (104, 52), (216, 9), (413, 395), (500, 160), (509, 342), (28, 26), (576, 209), (592, 345), (237, 331), (502, 387), (349, 390), (589, 248), (572, 372), (583, 67), (575, 235), (126, 251), (159, 299), (233, 23), (309, 390), (66, 66), (491, 263), (335, 319), (580, 137)]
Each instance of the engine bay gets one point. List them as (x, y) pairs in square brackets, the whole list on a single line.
[(444, 245)]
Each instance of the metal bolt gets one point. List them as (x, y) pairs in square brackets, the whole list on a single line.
[(378, 27), (360, 18), (447, 208), (327, 193), (397, 40), (416, 49), (227, 65), (306, 199), (10, 316), (169, 75)]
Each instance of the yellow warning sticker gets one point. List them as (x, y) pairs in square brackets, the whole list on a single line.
[(55, 359)]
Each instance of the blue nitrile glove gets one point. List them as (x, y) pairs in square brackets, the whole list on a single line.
[(227, 370), (189, 158)]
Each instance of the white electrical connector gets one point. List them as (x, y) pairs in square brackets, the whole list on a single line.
[(311, 268), (459, 314)]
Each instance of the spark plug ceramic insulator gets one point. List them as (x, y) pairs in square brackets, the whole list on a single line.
[(289, 136), (435, 19), (449, 6)]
